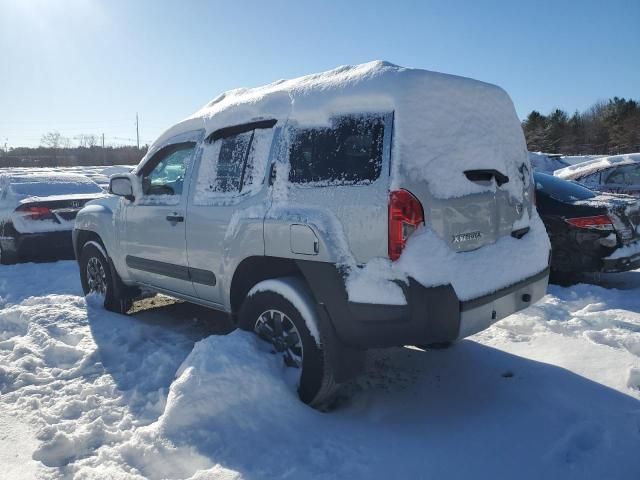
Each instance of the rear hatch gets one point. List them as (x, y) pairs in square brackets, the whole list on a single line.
[(460, 150), (474, 220)]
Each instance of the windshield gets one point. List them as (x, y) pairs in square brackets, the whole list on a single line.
[(560, 189), (44, 187)]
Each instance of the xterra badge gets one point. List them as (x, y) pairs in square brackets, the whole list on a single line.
[(465, 237)]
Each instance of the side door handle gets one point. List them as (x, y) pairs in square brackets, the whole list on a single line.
[(175, 219)]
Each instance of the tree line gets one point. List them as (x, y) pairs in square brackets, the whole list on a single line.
[(72, 156), (607, 127), (56, 150)]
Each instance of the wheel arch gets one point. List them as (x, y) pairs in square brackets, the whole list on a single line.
[(347, 362), (253, 270)]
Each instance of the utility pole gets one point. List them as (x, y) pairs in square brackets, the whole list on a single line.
[(103, 152), (137, 131)]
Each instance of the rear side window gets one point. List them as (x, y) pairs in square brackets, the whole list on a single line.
[(561, 190), (233, 165), (346, 153)]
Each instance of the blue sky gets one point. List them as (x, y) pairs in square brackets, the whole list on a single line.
[(87, 66)]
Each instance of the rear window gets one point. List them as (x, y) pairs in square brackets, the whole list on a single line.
[(346, 153), (560, 189), (42, 187)]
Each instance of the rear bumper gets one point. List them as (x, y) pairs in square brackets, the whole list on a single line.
[(432, 314), (479, 314), (621, 264), (38, 245)]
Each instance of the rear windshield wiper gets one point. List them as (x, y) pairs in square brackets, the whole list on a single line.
[(486, 175)]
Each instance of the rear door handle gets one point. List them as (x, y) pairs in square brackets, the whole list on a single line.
[(175, 218)]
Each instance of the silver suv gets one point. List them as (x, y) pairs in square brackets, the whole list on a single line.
[(369, 206)]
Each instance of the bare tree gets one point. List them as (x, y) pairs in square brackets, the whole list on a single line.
[(87, 140), (92, 140), (51, 139)]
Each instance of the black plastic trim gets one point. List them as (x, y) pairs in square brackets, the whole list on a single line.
[(242, 128), (180, 272), (486, 175), (431, 314), (204, 277)]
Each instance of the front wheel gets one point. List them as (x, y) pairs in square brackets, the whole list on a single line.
[(7, 257), (281, 312), (97, 278)]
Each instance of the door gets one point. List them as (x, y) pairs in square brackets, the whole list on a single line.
[(154, 233), (228, 200)]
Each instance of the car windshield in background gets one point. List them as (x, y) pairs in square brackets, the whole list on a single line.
[(44, 187), (560, 189)]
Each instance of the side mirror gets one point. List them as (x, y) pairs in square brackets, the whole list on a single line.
[(122, 186)]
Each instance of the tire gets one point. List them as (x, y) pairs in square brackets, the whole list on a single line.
[(275, 298), (8, 258), (562, 278), (97, 276)]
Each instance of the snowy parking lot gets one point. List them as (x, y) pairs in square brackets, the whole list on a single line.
[(168, 392)]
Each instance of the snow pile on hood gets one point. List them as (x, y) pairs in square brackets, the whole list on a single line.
[(583, 169), (443, 124)]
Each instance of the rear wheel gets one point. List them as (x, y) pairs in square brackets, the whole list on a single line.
[(270, 312), (99, 279)]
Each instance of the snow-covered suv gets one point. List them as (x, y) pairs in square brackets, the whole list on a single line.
[(368, 206)]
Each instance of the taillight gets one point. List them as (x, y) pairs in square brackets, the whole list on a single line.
[(405, 215), (35, 212), (599, 222)]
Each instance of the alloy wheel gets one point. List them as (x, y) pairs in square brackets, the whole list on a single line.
[(279, 330), (96, 276)]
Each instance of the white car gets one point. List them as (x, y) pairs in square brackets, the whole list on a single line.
[(615, 174), (37, 213)]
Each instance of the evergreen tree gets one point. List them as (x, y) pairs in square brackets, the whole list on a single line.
[(605, 128)]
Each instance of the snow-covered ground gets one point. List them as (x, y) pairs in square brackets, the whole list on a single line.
[(552, 392)]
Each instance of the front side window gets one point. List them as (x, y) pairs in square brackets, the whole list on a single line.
[(346, 153), (164, 173)]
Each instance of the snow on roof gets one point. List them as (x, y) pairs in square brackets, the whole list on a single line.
[(439, 119), (583, 169)]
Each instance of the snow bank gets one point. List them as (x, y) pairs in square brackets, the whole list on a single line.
[(555, 389), (583, 169), (443, 124)]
